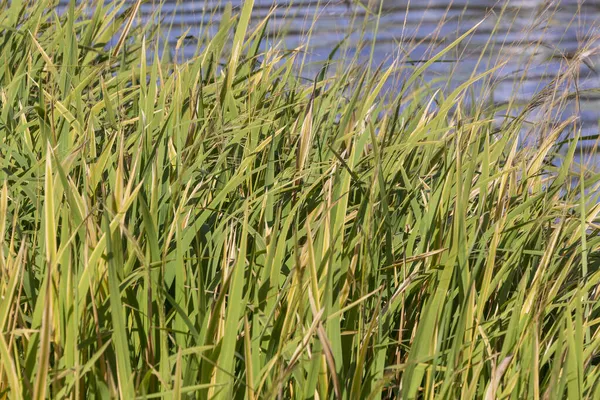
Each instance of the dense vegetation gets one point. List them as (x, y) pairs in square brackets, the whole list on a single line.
[(223, 228)]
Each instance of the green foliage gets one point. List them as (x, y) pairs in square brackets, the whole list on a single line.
[(220, 228)]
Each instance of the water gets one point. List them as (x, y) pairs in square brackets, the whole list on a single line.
[(536, 39)]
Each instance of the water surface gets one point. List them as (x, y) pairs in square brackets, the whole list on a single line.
[(538, 39)]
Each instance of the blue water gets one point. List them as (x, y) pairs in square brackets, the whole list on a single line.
[(536, 38)]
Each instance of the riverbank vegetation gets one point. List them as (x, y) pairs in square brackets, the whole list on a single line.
[(225, 228)]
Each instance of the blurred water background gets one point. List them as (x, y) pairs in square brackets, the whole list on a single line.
[(537, 42)]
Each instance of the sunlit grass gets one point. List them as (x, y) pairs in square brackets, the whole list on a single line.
[(225, 228)]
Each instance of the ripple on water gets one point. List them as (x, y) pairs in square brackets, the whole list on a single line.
[(535, 37)]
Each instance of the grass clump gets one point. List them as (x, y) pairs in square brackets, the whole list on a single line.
[(224, 229)]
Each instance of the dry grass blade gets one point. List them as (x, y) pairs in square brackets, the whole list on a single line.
[(490, 393), (127, 28)]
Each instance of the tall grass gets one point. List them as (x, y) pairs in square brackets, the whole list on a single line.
[(222, 228)]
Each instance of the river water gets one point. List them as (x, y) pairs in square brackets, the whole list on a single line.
[(538, 39)]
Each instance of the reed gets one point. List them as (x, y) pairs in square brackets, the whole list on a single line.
[(223, 228)]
